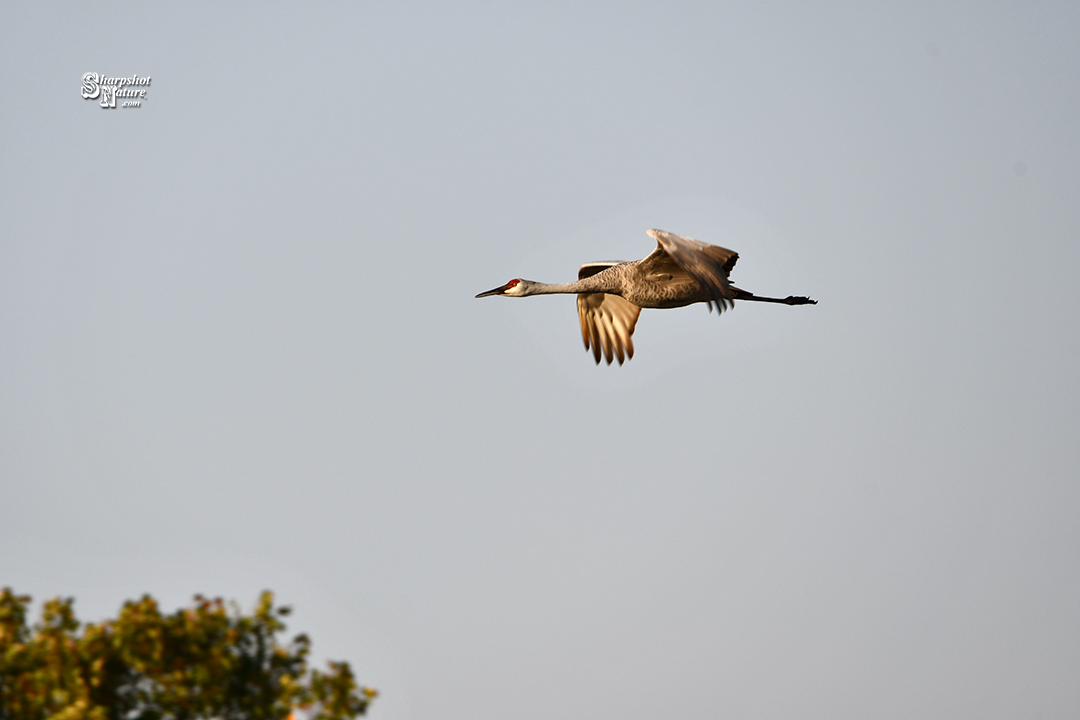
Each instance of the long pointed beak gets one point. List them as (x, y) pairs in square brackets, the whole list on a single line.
[(496, 291)]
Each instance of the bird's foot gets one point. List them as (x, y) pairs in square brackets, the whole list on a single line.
[(799, 300)]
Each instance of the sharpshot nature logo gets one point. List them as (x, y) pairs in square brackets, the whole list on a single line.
[(131, 90)]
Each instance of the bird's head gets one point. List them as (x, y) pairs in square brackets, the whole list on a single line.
[(515, 288)]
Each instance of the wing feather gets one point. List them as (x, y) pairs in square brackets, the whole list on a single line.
[(607, 325), (709, 265)]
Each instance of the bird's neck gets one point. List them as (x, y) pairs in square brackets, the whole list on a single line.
[(601, 282)]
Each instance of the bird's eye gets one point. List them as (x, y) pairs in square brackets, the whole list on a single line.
[(512, 283)]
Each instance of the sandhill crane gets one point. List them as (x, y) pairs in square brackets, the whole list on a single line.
[(610, 295)]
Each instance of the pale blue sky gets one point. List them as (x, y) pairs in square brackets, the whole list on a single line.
[(239, 347)]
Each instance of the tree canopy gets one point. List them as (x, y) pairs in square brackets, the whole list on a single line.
[(199, 662)]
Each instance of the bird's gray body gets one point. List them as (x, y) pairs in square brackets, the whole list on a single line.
[(680, 271)]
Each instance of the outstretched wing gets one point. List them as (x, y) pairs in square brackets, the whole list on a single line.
[(709, 265), (607, 321)]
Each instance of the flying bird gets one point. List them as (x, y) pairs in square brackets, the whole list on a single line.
[(680, 271)]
